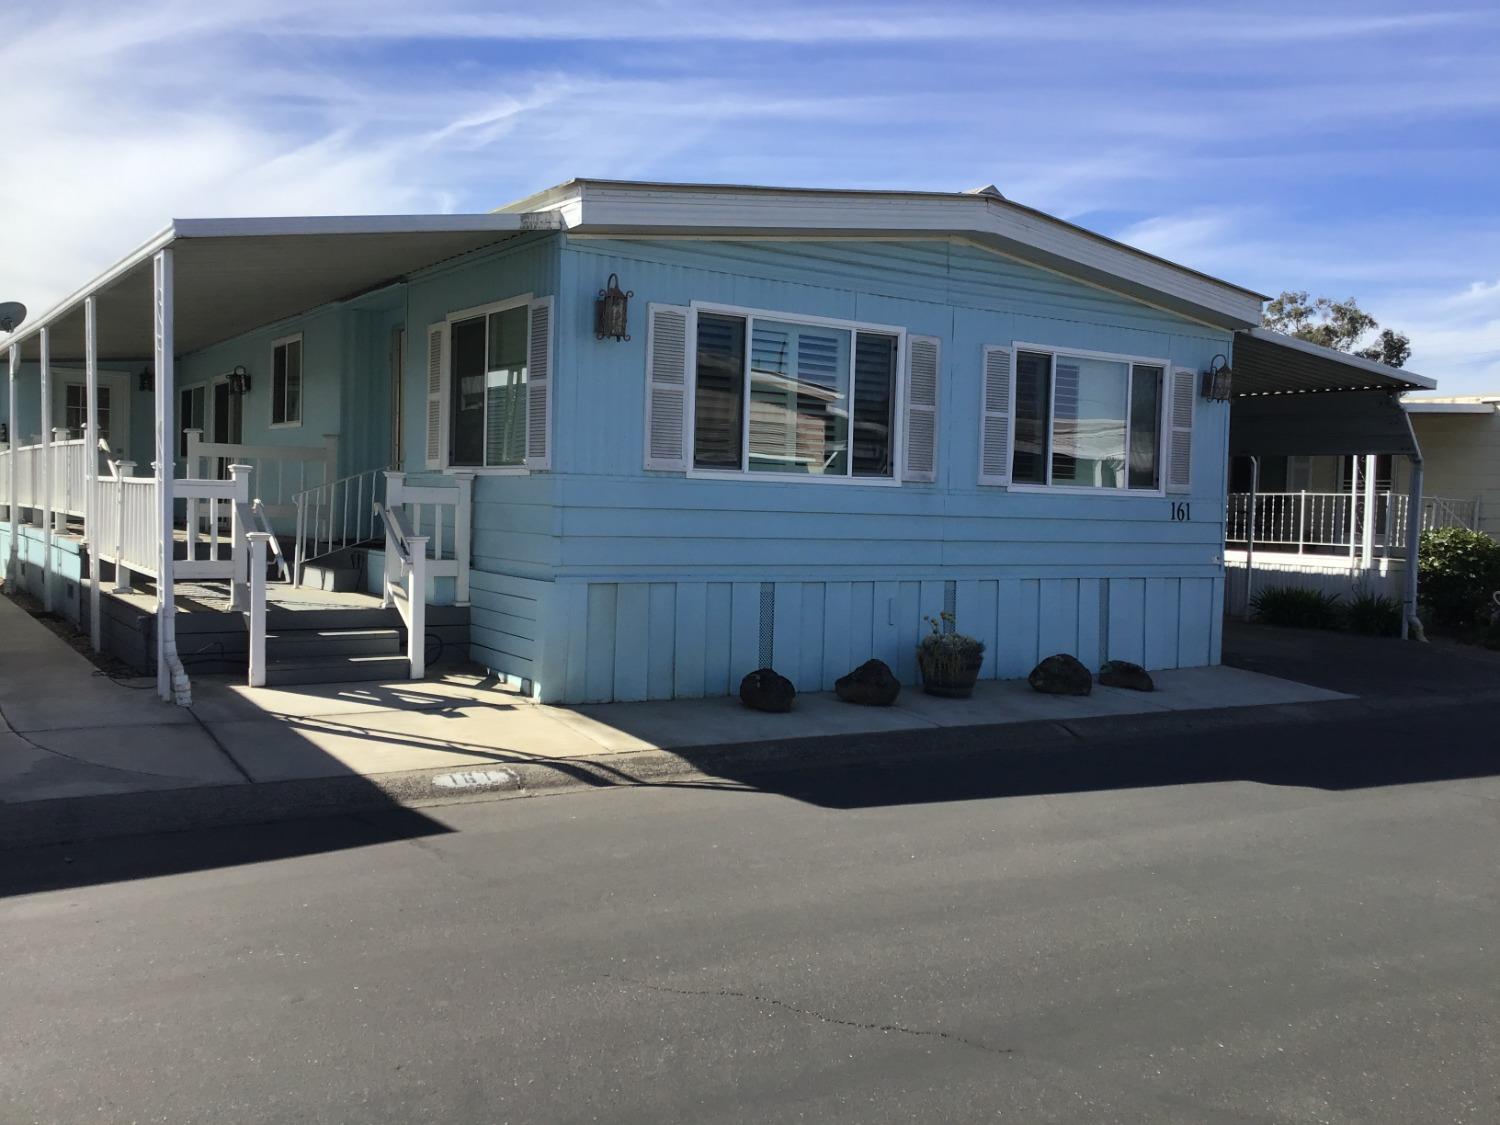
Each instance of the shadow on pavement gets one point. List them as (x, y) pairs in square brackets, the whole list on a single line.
[(1357, 751), (86, 863)]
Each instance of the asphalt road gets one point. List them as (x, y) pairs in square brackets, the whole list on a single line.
[(1308, 932)]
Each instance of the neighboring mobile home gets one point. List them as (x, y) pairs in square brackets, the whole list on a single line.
[(831, 415)]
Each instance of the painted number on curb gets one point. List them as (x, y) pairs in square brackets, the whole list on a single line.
[(475, 779)]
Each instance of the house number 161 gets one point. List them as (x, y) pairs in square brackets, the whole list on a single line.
[(1181, 511)]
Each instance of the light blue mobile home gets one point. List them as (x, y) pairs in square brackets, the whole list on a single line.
[(830, 416)]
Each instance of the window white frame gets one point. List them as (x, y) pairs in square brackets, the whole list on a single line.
[(523, 301), (289, 424), (1162, 414), (898, 397)]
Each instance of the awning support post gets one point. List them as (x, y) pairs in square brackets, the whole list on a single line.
[(1250, 536), (13, 555), (1410, 622), (44, 470), (171, 680), (1367, 540), (91, 463)]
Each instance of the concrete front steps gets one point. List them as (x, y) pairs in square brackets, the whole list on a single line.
[(320, 646), (320, 656)]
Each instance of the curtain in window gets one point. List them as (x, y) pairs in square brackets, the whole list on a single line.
[(1088, 422)]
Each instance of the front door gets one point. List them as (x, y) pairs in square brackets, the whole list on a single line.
[(224, 424)]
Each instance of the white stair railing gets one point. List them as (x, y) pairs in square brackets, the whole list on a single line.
[(405, 584), (277, 472), (335, 515), (449, 511)]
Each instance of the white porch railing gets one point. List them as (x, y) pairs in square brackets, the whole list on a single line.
[(336, 515), (448, 511), (69, 465), (405, 583), (1331, 522), (277, 472)]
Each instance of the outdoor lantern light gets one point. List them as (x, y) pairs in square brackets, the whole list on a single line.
[(147, 380), (1217, 380), (239, 380), (610, 311)]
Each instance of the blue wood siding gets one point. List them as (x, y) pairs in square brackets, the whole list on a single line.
[(656, 579)]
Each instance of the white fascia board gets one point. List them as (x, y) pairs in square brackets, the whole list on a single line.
[(360, 224), (1398, 377), (1019, 231), (1420, 407)]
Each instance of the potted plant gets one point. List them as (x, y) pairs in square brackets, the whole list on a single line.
[(949, 660)]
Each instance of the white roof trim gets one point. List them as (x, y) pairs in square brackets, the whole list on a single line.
[(708, 211), (1420, 407), (1358, 362)]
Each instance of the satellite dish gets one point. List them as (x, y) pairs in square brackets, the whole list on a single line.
[(11, 314)]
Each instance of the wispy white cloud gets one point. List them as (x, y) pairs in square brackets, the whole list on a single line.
[(1337, 148)]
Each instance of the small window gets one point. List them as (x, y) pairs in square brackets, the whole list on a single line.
[(1087, 421), (489, 389), (773, 394), (76, 410), (286, 382)]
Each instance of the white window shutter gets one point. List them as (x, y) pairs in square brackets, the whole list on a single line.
[(923, 362), (1180, 408), (997, 412), (437, 398), (666, 387), (539, 386)]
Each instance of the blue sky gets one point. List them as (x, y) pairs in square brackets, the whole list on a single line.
[(1348, 149)]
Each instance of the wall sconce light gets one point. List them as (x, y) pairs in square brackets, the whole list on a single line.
[(147, 380), (1218, 380), (239, 380), (611, 311)]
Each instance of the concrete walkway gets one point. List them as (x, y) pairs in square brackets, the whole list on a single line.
[(66, 730)]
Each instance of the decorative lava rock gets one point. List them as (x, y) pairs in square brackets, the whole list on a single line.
[(1123, 674), (1061, 675), (765, 689), (872, 684)]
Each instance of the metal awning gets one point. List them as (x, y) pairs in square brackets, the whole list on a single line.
[(1353, 423), (1270, 363), (236, 275)]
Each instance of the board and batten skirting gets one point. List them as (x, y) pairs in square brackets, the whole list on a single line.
[(593, 642)]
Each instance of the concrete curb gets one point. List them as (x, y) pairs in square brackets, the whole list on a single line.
[(66, 820)]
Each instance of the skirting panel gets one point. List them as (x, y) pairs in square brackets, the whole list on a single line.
[(605, 642)]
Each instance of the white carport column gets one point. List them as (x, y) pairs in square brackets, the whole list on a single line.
[(171, 680), (91, 462), (1413, 544), (44, 469), (1367, 535), (15, 471)]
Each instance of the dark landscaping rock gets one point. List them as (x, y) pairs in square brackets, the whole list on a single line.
[(767, 690), (1061, 675), (872, 684), (1123, 674)]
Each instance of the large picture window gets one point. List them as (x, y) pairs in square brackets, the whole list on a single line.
[(488, 388), (779, 394), (286, 382), (1087, 421)]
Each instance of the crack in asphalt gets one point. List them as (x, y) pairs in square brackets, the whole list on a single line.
[(821, 1017)]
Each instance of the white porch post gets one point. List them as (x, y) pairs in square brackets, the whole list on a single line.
[(15, 467), (1367, 540), (91, 463), (171, 680), (1353, 508), (44, 470), (1250, 536), (1413, 544)]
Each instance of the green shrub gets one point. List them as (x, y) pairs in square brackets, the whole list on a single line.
[(1373, 614), (1297, 608), (1458, 571)]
